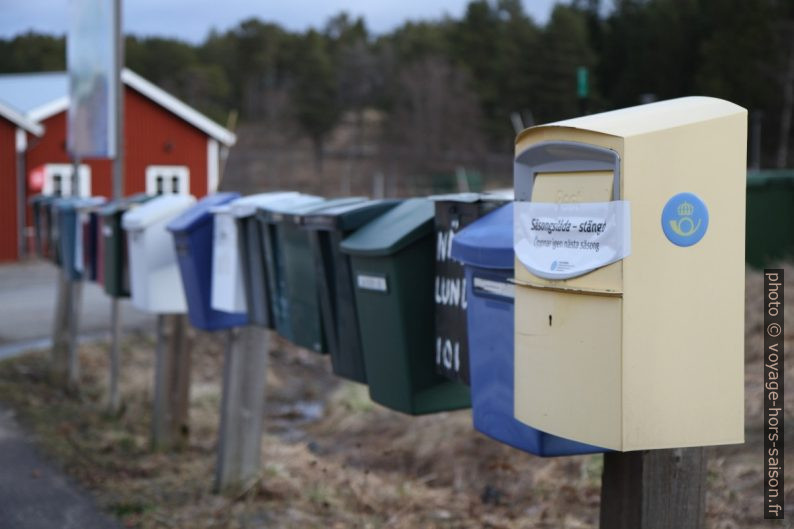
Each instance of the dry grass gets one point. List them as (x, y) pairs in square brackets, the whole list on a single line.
[(333, 459)]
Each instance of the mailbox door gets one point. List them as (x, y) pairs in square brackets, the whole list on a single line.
[(254, 283), (302, 289), (568, 332), (393, 269), (227, 282), (568, 364), (451, 342), (279, 318), (338, 305)]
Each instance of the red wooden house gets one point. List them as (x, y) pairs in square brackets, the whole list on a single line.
[(169, 147), (14, 131)]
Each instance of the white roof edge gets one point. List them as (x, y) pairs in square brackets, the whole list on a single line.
[(20, 120), (171, 103), (156, 94), (49, 109)]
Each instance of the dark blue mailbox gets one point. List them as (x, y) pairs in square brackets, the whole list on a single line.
[(485, 248), (37, 203), (53, 229), (90, 244), (70, 232), (193, 232)]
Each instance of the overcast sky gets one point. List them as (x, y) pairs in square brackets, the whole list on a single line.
[(192, 19)]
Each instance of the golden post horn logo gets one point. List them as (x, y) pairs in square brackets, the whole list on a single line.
[(684, 225)]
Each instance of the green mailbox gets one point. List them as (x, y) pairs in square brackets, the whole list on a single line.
[(299, 287), (393, 265), (332, 269), (114, 266), (770, 217), (275, 284)]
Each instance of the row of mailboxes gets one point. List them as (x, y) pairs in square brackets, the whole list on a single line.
[(293, 263), (600, 310)]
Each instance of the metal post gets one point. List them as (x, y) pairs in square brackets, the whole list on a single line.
[(114, 398), (118, 161), (242, 409), (75, 298), (378, 185), (656, 489)]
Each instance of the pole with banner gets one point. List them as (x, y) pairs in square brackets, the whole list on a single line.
[(95, 56), (114, 398)]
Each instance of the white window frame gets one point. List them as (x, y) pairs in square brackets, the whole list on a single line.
[(58, 180), (213, 165), (166, 175)]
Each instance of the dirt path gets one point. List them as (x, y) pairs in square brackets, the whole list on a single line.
[(34, 494)]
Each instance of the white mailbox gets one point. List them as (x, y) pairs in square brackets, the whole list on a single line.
[(629, 308), (154, 273), (227, 268)]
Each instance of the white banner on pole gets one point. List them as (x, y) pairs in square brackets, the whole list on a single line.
[(92, 63)]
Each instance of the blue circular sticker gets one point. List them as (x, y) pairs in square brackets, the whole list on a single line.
[(685, 219)]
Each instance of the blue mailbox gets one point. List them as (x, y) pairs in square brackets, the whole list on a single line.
[(193, 232), (37, 203), (70, 213), (485, 248), (91, 244)]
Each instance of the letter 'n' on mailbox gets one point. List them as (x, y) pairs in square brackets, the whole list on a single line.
[(629, 308)]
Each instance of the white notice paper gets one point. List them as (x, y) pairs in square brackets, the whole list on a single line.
[(561, 241)]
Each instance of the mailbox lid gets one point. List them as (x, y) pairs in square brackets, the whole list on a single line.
[(487, 242), (122, 204), (298, 214), (347, 217), (79, 203), (394, 230), (200, 213), (156, 209), (647, 119), (275, 211), (248, 205)]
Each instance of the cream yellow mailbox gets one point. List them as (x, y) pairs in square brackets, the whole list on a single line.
[(629, 239)]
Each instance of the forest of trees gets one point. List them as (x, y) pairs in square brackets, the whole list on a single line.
[(454, 85)]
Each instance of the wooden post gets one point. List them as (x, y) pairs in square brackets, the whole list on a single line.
[(73, 325), (655, 489), (242, 409), (114, 397), (171, 384), (64, 355), (59, 352)]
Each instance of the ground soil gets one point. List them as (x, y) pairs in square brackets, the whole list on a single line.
[(333, 459)]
